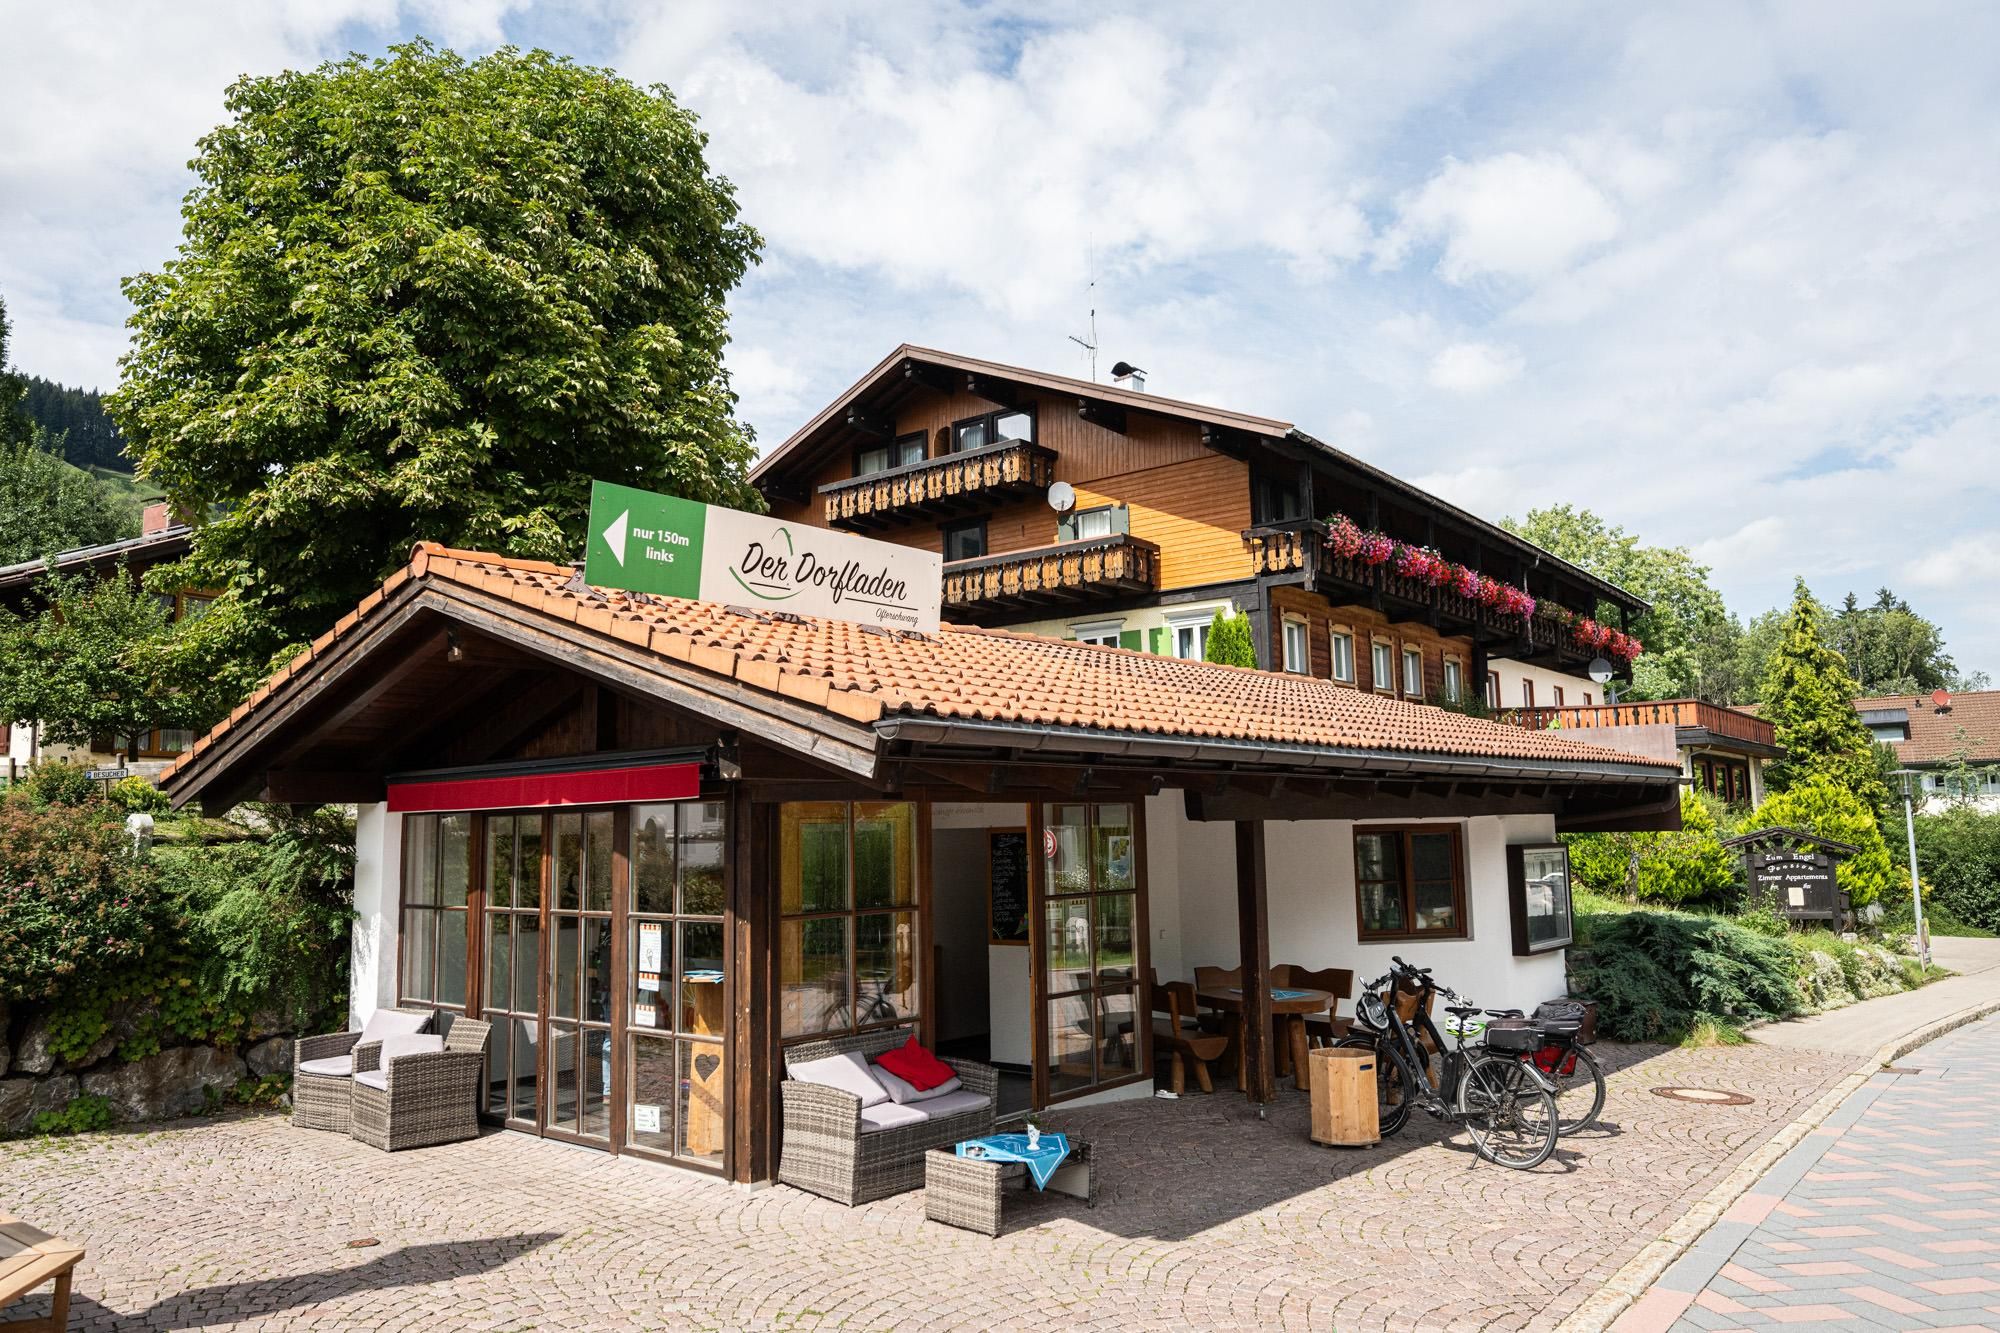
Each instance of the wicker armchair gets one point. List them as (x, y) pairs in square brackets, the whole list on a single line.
[(321, 1100), (824, 1150), (425, 1099)]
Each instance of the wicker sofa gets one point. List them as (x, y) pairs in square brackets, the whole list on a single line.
[(416, 1101), (826, 1149)]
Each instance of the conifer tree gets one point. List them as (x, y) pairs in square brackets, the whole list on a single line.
[(1809, 698), (1229, 641)]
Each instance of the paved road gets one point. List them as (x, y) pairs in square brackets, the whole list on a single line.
[(1863, 1029), (1887, 1216)]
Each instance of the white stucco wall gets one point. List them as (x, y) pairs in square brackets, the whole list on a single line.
[(1512, 673), (1309, 869), (378, 855)]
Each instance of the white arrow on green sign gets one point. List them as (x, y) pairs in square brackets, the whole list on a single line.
[(647, 542)]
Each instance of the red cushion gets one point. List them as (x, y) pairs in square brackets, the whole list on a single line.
[(916, 1066)]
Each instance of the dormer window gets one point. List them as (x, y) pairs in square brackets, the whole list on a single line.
[(881, 457), (992, 428)]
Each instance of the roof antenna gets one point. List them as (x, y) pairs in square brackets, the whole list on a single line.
[(1090, 347)]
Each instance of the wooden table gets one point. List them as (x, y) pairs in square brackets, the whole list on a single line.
[(1293, 1010), (29, 1257)]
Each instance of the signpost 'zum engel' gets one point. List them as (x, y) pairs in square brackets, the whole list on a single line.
[(642, 541)]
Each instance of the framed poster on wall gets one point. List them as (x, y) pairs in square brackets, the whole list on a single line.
[(1007, 886), (1538, 897)]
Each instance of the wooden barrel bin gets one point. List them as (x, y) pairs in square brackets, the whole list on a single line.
[(1344, 1109)]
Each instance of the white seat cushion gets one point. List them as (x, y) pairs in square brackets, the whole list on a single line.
[(329, 1066), (953, 1102), (373, 1078), (904, 1093), (889, 1115), (848, 1071), (391, 1022)]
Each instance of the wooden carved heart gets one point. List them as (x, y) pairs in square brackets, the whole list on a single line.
[(705, 1066)]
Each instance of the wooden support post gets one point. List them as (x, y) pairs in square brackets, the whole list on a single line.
[(1253, 930)]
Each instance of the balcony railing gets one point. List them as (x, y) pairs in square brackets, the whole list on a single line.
[(1099, 567), (1300, 546), (1682, 714), (956, 483)]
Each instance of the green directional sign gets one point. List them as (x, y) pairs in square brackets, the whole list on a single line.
[(662, 544), (644, 541)]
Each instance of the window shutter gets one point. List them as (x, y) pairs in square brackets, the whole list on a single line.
[(1121, 520), (1158, 636), (1129, 638), (1066, 527)]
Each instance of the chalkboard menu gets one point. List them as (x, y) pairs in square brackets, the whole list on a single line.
[(1007, 885), (1796, 884)]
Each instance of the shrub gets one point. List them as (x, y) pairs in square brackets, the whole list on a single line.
[(59, 782), (1819, 805), (1656, 974), (1230, 641), (1958, 852), (1680, 867), (74, 905), (136, 794), (84, 1114)]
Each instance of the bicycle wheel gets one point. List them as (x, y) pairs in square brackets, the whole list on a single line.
[(1512, 1118), (1392, 1088), (1579, 1093)]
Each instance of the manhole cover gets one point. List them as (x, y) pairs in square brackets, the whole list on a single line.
[(1704, 1096)]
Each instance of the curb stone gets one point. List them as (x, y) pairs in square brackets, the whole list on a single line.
[(1644, 1268)]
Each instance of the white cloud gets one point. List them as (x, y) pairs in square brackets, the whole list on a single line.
[(1970, 557), (1515, 215), (1473, 367)]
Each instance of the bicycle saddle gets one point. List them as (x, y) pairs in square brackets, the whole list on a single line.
[(1462, 1010)]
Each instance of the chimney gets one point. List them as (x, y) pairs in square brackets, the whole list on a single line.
[(1125, 375), (156, 517)]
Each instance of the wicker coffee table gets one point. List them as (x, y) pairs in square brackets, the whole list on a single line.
[(965, 1191)]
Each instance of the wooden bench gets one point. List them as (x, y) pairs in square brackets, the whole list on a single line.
[(29, 1257)]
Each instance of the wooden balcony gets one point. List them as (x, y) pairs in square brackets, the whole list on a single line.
[(1299, 547), (1002, 587), (956, 483), (1698, 722)]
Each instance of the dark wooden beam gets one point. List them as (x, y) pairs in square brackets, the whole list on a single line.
[(792, 490), (868, 423), (931, 377), (305, 787), (1253, 933), (1111, 416), (507, 727), (425, 653), (1000, 393), (1225, 440)]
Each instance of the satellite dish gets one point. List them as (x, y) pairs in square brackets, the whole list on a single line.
[(1062, 497), (1940, 700), (1600, 670)]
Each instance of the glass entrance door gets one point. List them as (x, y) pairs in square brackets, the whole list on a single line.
[(1093, 949), (576, 1054), (513, 953)]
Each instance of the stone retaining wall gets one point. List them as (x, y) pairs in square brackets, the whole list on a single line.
[(169, 1083)]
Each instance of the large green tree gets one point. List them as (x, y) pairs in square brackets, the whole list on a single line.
[(423, 297), (1890, 648), (1808, 696), (1689, 634), (45, 505)]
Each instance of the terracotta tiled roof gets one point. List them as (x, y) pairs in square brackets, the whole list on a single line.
[(1934, 732), (965, 674)]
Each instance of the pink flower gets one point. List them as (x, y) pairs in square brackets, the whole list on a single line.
[(1343, 538), (1375, 548)]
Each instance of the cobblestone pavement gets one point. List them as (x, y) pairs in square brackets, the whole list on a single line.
[(1208, 1218), (1887, 1216)]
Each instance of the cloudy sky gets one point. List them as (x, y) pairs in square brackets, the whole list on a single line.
[(1727, 274)]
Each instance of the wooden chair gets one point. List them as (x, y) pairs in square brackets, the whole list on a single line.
[(1219, 1021), (1179, 1040), (1327, 1028)]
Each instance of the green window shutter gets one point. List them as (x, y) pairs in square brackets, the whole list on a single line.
[(1157, 639), (1129, 638)]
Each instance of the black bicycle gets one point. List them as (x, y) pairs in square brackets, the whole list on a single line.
[(1506, 1105), (1568, 1063)]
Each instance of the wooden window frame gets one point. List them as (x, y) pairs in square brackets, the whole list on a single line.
[(991, 420), (918, 908), (945, 531), (1492, 688), (1333, 633), (896, 447), (1455, 692), (1376, 643), (475, 962), (1459, 887), (1559, 695), (1404, 652), (1527, 692), (1286, 626)]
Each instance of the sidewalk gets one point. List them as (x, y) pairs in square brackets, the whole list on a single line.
[(1884, 1217), (1865, 1028)]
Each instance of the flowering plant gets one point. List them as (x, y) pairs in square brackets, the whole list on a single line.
[(1343, 537), (1515, 601), (1375, 548), (1472, 585), (1624, 647), (1589, 634), (1422, 564)]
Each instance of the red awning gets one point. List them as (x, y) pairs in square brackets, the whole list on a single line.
[(520, 791)]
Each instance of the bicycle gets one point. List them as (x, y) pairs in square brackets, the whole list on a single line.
[(1568, 1063), (1507, 1106)]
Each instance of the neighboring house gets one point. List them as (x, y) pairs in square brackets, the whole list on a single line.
[(1722, 751), (159, 541), (1934, 733), (1180, 510)]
